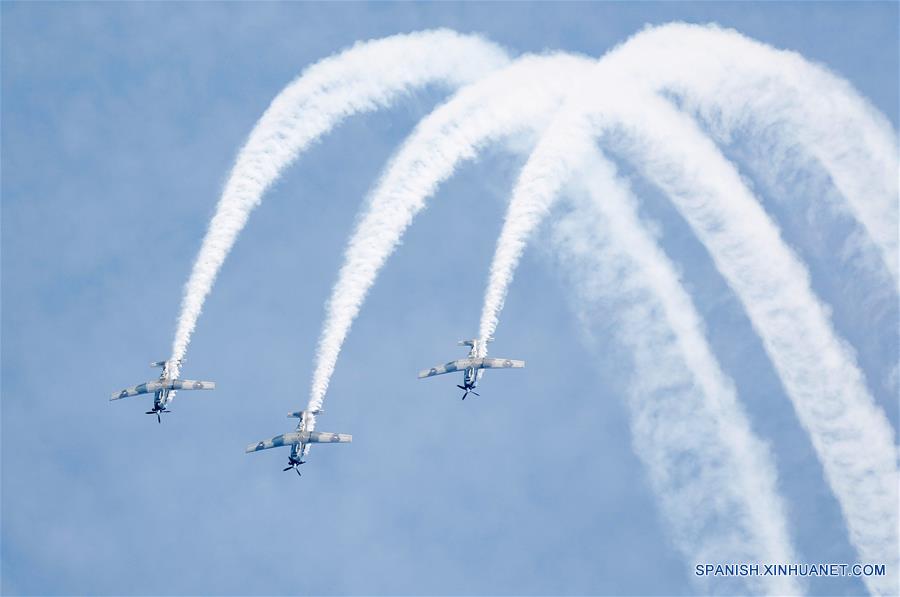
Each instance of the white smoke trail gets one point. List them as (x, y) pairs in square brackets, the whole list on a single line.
[(714, 478), (737, 84), (517, 99), (851, 435), (365, 77)]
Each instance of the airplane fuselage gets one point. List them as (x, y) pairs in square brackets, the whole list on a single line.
[(296, 455), (162, 397), (471, 377)]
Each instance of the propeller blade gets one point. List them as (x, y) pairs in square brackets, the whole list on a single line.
[(158, 418), (287, 469), (474, 392), (460, 387)]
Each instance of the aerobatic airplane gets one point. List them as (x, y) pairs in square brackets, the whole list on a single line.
[(164, 388), (300, 439), (473, 365)]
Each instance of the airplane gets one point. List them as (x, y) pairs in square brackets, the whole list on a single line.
[(473, 365), (300, 439), (164, 388)]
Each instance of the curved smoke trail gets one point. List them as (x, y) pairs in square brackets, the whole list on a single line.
[(455, 131), (851, 435), (517, 99), (366, 77), (739, 85), (714, 478)]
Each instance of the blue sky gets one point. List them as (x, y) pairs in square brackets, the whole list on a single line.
[(119, 125)]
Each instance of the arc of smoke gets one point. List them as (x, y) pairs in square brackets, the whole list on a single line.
[(851, 435), (734, 81), (738, 84), (366, 77), (715, 479), (517, 99)]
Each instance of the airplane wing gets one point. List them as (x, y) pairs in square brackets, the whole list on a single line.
[(285, 439), (312, 437), (486, 363), (450, 367), (190, 384), (501, 364), (144, 388), (152, 386), (323, 437)]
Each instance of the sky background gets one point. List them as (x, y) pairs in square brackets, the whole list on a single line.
[(120, 123)]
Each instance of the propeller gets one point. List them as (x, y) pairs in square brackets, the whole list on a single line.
[(156, 412), (468, 391), (293, 463), (293, 466)]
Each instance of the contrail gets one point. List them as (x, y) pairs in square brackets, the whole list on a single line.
[(366, 77), (715, 479), (740, 86), (851, 435), (517, 99)]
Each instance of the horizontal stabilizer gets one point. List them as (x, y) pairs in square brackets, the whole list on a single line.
[(295, 437), (164, 363), (462, 364), (472, 342), (153, 386), (299, 414)]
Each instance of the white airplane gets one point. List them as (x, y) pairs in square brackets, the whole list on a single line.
[(473, 366), (300, 439), (164, 388)]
